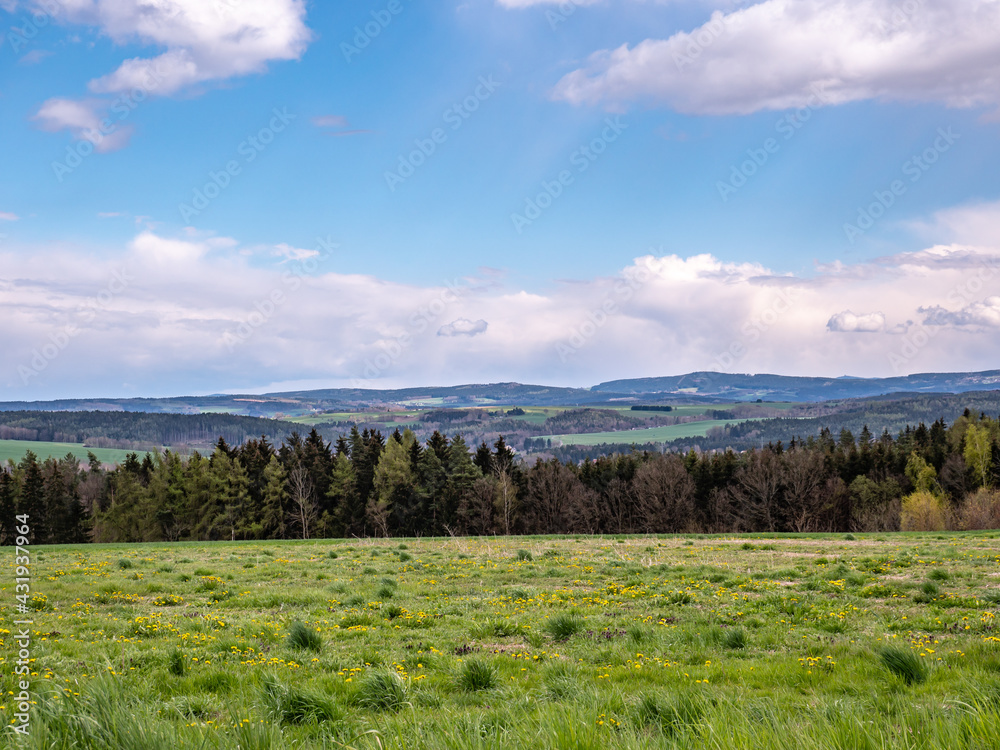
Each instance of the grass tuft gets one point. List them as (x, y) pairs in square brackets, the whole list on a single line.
[(903, 663), (477, 675), (175, 663), (563, 627), (736, 638), (290, 705), (382, 690), (303, 637)]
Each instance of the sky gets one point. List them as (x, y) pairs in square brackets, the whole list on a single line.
[(217, 196)]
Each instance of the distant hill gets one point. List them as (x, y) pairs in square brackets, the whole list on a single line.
[(696, 387), (738, 387)]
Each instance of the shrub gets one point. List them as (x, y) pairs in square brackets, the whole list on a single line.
[(903, 663), (981, 510), (922, 511), (382, 690), (563, 627), (303, 637), (477, 675)]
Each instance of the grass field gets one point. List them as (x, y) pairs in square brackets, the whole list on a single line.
[(15, 449), (399, 417), (879, 641), (649, 435)]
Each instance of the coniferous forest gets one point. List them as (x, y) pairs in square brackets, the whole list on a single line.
[(367, 484)]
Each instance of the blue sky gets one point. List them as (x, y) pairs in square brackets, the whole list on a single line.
[(729, 144)]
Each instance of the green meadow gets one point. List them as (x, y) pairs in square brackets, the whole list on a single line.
[(649, 435), (15, 450), (795, 641)]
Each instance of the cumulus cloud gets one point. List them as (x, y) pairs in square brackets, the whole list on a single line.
[(985, 313), (204, 42), (780, 54), (463, 327), (848, 322), (198, 313), (83, 118)]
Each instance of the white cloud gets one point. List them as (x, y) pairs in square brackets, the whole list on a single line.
[(777, 54), (8, 216), (203, 313), (975, 224), (848, 322), (979, 314), (330, 121), (463, 327), (83, 119), (204, 42)]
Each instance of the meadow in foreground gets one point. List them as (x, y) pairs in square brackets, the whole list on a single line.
[(825, 641)]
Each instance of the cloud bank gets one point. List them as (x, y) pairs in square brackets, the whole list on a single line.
[(196, 313)]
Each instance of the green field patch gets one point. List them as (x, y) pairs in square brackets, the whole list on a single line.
[(15, 450), (648, 435)]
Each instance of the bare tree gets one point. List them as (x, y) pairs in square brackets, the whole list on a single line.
[(664, 493), (759, 490), (506, 499), (303, 503)]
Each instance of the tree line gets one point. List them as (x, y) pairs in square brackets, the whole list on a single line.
[(366, 484)]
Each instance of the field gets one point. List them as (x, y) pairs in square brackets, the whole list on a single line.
[(887, 641), (15, 449), (649, 435)]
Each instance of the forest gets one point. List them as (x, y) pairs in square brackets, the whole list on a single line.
[(365, 484)]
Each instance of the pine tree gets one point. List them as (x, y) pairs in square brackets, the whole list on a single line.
[(275, 499), (32, 499), (392, 482), (8, 497)]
